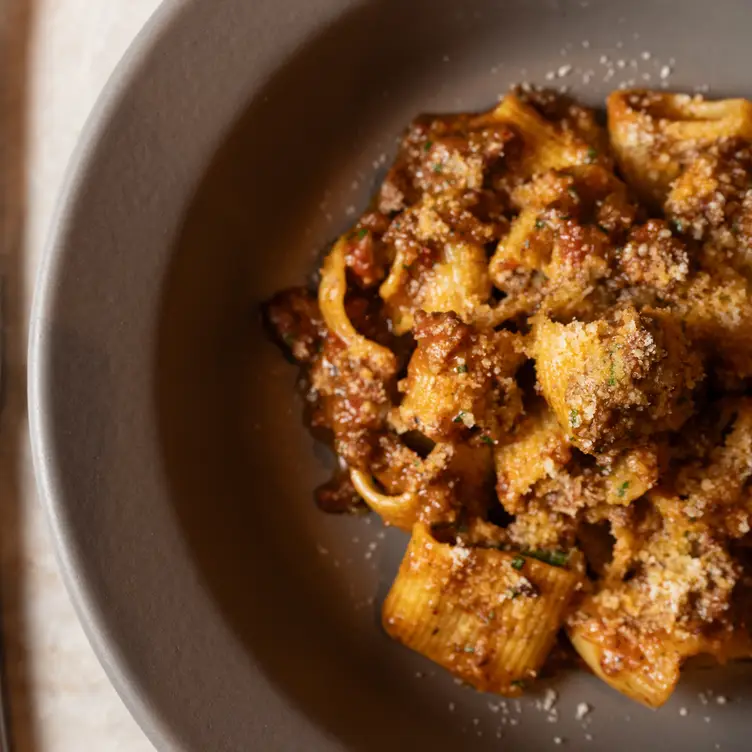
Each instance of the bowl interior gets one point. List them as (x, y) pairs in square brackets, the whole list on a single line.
[(175, 460)]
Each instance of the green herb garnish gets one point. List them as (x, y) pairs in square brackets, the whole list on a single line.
[(427, 145), (518, 562), (362, 232), (460, 415), (469, 649), (622, 489), (462, 368), (518, 683), (539, 224), (574, 418), (554, 558), (437, 167), (486, 439), (678, 225), (592, 154)]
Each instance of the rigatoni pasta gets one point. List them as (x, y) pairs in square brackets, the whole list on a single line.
[(488, 616), (533, 354)]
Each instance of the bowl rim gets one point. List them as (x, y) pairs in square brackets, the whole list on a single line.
[(80, 163)]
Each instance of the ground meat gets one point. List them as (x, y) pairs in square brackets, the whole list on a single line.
[(351, 398), (338, 496), (653, 257), (710, 192), (295, 317), (460, 381), (717, 480), (365, 253), (443, 154), (558, 256)]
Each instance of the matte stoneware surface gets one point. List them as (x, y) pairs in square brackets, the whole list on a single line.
[(234, 141)]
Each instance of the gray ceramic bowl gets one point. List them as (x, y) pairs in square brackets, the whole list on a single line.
[(233, 142)]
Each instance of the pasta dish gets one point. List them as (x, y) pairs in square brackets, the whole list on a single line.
[(533, 353)]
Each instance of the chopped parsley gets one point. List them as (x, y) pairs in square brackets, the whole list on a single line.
[(592, 154), (574, 418), (554, 558), (437, 168), (362, 232), (462, 368), (486, 439), (491, 615), (518, 562), (539, 224), (612, 376), (518, 683), (469, 649), (678, 225), (564, 217), (427, 145), (622, 489), (513, 593), (460, 415), (406, 267)]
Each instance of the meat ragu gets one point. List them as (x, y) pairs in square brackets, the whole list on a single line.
[(532, 353)]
